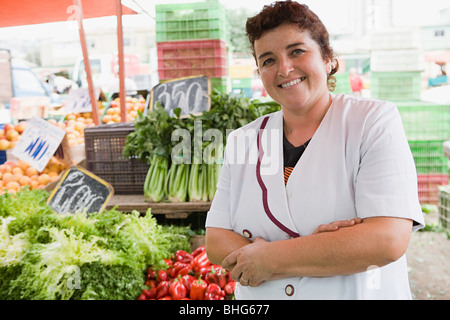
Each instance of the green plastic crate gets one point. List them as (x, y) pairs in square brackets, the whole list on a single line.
[(241, 83), (429, 157), (203, 9), (193, 33), (444, 206), (425, 121), (223, 85), (396, 86), (191, 21), (342, 83)]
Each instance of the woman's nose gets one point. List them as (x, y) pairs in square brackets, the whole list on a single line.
[(285, 67)]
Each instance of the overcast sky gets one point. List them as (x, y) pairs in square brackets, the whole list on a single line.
[(332, 12)]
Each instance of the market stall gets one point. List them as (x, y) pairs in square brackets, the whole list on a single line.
[(23, 12), (49, 254)]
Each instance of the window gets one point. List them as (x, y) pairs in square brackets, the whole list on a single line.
[(27, 84)]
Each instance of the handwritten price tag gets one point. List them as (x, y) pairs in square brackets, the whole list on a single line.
[(80, 190), (190, 94), (38, 143), (80, 101)]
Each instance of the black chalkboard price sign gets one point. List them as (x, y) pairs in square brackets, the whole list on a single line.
[(190, 94), (79, 190)]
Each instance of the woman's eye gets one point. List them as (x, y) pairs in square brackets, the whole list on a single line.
[(297, 52), (267, 61)]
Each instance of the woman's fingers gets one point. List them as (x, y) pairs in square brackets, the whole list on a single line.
[(336, 225)]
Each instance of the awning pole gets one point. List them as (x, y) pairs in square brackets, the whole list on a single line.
[(123, 111), (87, 64)]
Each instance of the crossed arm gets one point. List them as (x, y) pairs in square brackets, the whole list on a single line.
[(340, 248)]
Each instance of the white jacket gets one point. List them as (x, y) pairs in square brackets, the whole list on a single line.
[(357, 164)]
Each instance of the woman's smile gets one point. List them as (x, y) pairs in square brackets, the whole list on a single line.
[(291, 83)]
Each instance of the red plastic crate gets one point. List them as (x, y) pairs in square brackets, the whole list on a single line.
[(188, 58), (428, 187)]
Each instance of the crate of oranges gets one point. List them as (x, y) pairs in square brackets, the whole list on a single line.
[(16, 175), (133, 105)]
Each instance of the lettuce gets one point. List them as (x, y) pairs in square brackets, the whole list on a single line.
[(12, 248), (51, 271), (46, 256)]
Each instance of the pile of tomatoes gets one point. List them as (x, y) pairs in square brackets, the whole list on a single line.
[(189, 276)]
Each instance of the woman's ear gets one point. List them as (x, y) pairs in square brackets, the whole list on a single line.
[(329, 65)]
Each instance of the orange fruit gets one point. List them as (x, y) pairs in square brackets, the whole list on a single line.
[(4, 144), (12, 185), (5, 168), (7, 177), (17, 170), (24, 181), (30, 171), (12, 135), (17, 176), (53, 173), (23, 165), (33, 184), (43, 179), (106, 118), (116, 117)]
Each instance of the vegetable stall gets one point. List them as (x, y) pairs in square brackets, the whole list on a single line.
[(124, 252)]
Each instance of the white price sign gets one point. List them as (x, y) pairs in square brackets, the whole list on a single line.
[(38, 143), (79, 100)]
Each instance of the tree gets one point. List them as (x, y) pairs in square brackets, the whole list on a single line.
[(237, 19)]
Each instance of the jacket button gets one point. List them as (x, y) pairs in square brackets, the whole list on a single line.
[(247, 233), (289, 290)]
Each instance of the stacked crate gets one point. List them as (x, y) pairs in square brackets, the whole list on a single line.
[(342, 83), (242, 86), (444, 196), (427, 126), (241, 74), (396, 65), (192, 40)]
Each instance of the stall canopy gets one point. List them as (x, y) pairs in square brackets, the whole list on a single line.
[(27, 12)]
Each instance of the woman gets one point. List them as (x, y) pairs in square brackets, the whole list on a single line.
[(323, 158)]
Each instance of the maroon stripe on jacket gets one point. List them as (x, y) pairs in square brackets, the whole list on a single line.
[(263, 186)]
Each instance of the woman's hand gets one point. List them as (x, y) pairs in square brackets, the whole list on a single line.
[(336, 225), (249, 269), (247, 263)]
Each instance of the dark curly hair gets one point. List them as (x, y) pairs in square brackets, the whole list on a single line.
[(281, 12)]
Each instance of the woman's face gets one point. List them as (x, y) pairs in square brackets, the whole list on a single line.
[(291, 68)]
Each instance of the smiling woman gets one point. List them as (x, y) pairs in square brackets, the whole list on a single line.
[(289, 59), (338, 224)]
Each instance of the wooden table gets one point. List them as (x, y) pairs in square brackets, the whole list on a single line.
[(128, 203)]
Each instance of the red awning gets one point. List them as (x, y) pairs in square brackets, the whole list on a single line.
[(25, 12)]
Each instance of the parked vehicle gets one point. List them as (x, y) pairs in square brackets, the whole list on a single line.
[(22, 92)]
